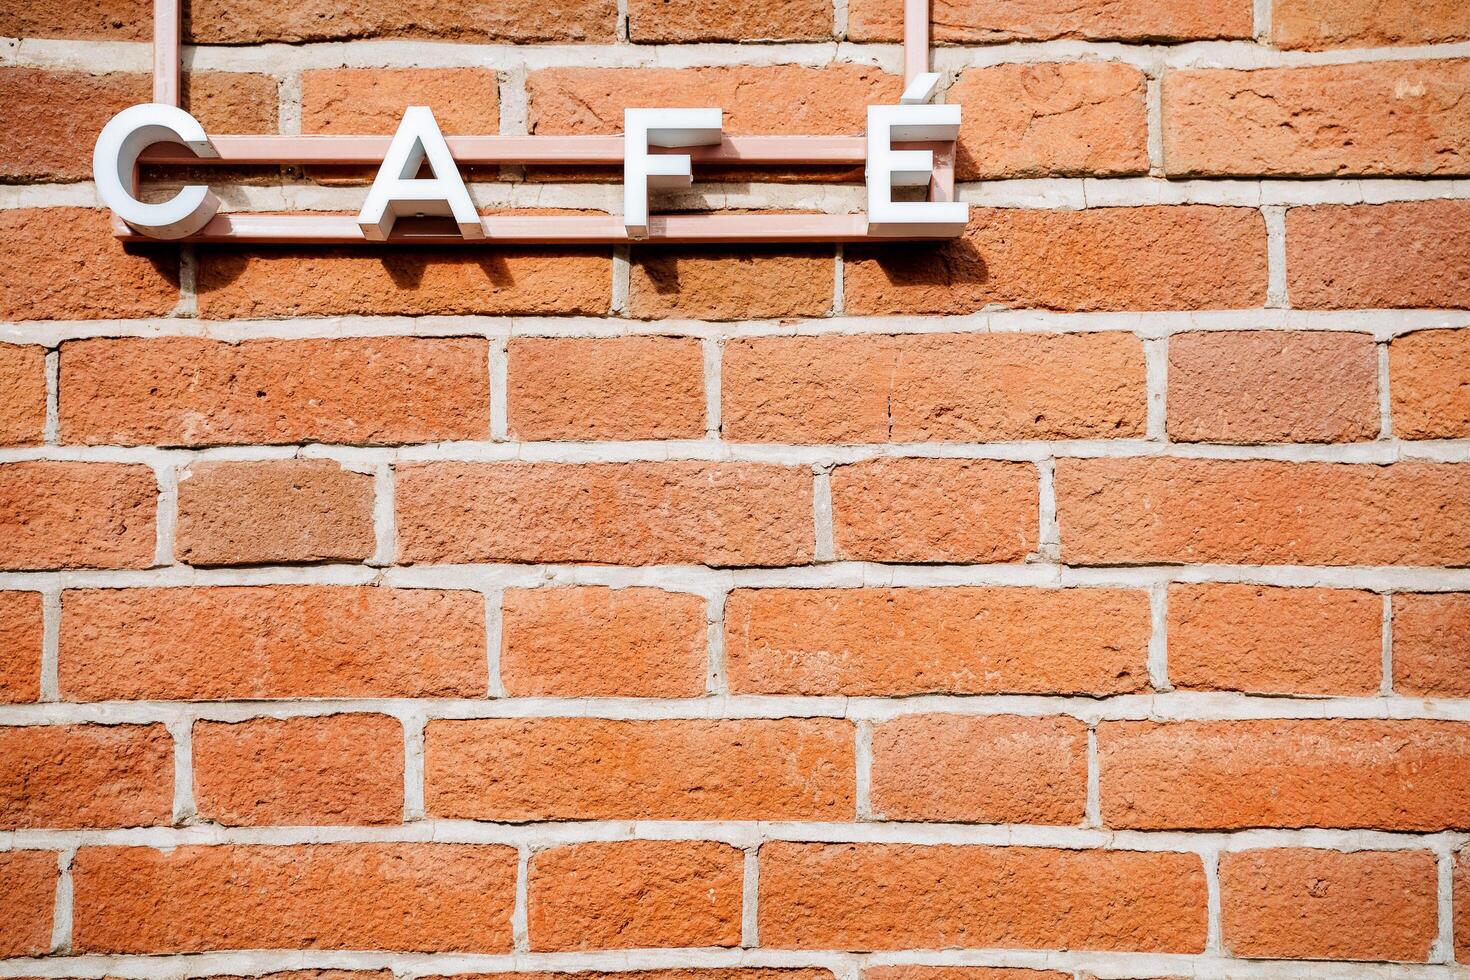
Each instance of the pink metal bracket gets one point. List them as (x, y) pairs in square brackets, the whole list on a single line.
[(583, 150)]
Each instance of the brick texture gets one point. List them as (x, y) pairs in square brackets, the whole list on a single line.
[(354, 101), (1430, 634), (1393, 255), (85, 776), (29, 881), (112, 20), (22, 394), (20, 647), (1367, 23), (1429, 381), (76, 515), (742, 283), (683, 21), (516, 21), (990, 21)]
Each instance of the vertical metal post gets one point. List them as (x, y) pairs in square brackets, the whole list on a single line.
[(915, 39), (167, 51)]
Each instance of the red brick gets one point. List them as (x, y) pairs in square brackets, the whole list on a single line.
[(1258, 512), (671, 973), (605, 513), (1431, 644), (1429, 379), (1367, 23), (1253, 386), (595, 642), (1389, 775), (613, 388), (64, 264), (934, 510), (722, 283), (76, 515), (85, 776), (512, 21), (960, 973), (1275, 641), (933, 387), (415, 897), (353, 101), (990, 21), (900, 896), (1461, 904), (1040, 120), (190, 391), (20, 647), (296, 510), (523, 770), (255, 642), (1001, 769), (1183, 257), (1310, 904), (635, 894), (1410, 254), (337, 769), (111, 20), (28, 880), (22, 394), (877, 642), (683, 21)]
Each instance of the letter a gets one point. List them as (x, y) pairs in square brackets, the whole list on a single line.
[(397, 192)]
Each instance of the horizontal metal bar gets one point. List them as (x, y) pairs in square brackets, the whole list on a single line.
[(471, 150), (338, 229)]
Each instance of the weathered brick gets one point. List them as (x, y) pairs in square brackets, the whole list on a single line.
[(28, 880), (1429, 381), (961, 973), (20, 647), (1274, 640), (612, 388), (724, 283), (513, 21), (1367, 23), (1001, 769), (1145, 258), (86, 776), (191, 391), (634, 894), (1431, 640), (354, 101), (615, 513), (1051, 120), (1257, 512), (900, 896), (64, 264), (111, 20), (521, 770), (1389, 775), (933, 387), (596, 642), (1291, 903), (934, 510), (76, 515), (296, 510), (1389, 118), (22, 394), (683, 21), (991, 21), (337, 769), (1410, 254), (254, 642), (866, 642), (1252, 386), (424, 898)]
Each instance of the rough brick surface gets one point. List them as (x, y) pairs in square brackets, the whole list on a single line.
[(1396, 118), (515, 21), (188, 391), (1329, 905), (680, 21), (933, 388), (20, 647), (1001, 769), (590, 642), (594, 769), (893, 896), (1148, 258), (724, 283), (111, 20), (1262, 512), (631, 514), (1429, 381), (1367, 23), (1051, 120), (86, 776), (243, 642), (1275, 641), (28, 879), (353, 101), (22, 394), (991, 21), (960, 973), (891, 642), (934, 510), (1431, 644), (1409, 254), (76, 515), (337, 769), (297, 510), (424, 898), (1461, 902), (633, 894), (1272, 386), (618, 388), (1390, 775)]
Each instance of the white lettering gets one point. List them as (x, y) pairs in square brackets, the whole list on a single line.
[(115, 162), (398, 192), (643, 128)]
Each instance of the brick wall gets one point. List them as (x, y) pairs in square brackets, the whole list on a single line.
[(1087, 597)]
